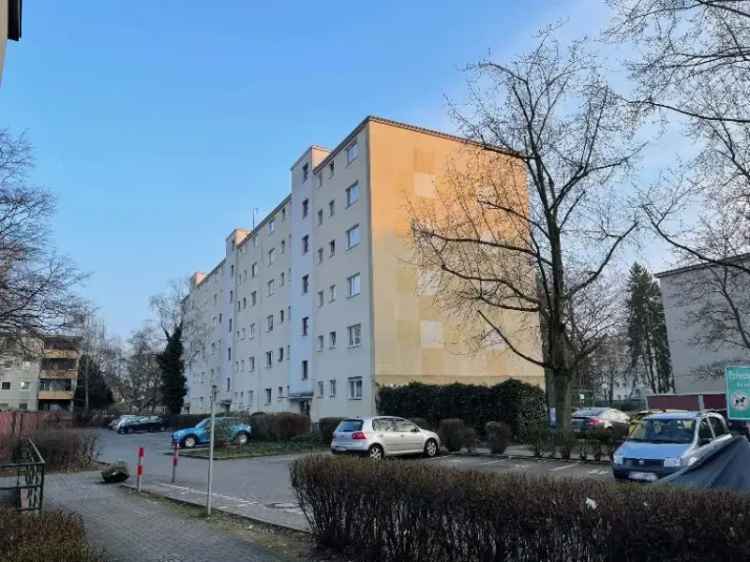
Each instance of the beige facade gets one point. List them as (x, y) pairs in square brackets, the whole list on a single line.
[(41, 377), (10, 26), (347, 312)]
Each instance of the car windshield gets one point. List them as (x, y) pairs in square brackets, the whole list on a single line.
[(348, 426), (203, 423), (664, 431), (588, 412)]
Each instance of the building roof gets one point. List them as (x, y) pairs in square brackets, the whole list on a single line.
[(702, 265)]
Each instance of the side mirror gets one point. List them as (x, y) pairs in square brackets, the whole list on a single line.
[(415, 430)]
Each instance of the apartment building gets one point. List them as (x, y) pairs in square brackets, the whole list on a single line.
[(10, 26), (318, 305), (41, 377)]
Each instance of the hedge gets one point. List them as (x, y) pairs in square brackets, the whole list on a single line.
[(513, 402), (406, 512), (50, 535), (327, 426), (64, 449)]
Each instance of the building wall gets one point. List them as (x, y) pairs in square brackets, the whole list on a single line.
[(3, 33)]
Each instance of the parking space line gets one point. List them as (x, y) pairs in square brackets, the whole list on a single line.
[(564, 467)]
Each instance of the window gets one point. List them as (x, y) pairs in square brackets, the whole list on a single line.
[(281, 316), (332, 293), (268, 396), (320, 217), (321, 343), (332, 388), (332, 339), (305, 325), (331, 208), (243, 333), (305, 208), (230, 325), (251, 364), (229, 384), (353, 285), (271, 226), (355, 335), (252, 330), (331, 248), (331, 168), (269, 323), (319, 180), (320, 256), (254, 270), (269, 359), (321, 298), (229, 353), (305, 172), (704, 431), (231, 271), (244, 302), (253, 298), (231, 296), (305, 372), (6, 385), (352, 237), (355, 388), (271, 256), (280, 355), (305, 244), (23, 406), (321, 390), (352, 152), (283, 213), (352, 194), (718, 426), (305, 284), (280, 391), (283, 246), (270, 287)]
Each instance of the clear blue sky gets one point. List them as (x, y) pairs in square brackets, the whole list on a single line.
[(159, 125)]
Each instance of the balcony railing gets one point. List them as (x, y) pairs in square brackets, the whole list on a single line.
[(55, 395), (28, 469), (60, 353)]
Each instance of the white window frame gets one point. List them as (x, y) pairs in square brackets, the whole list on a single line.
[(353, 237), (354, 285), (354, 334), (352, 152), (352, 194), (355, 388)]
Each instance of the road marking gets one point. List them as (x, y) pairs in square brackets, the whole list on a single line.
[(563, 467)]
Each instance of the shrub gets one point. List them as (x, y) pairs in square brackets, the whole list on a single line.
[(498, 436), (327, 426), (518, 404), (260, 423), (471, 439), (566, 441), (50, 535), (64, 449), (422, 422), (406, 512), (286, 425), (312, 437), (452, 433), (181, 421)]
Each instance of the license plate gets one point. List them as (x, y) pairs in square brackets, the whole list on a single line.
[(341, 449), (643, 476)]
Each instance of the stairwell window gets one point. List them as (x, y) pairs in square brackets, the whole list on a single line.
[(269, 359), (332, 340), (321, 343), (352, 194), (305, 370), (305, 244), (353, 285), (251, 364), (331, 248), (355, 335), (269, 323), (320, 217), (305, 208), (270, 287), (305, 172), (321, 389), (352, 152), (305, 325), (268, 396), (352, 237), (305, 284)]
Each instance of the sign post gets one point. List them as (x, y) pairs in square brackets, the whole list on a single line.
[(738, 393), (139, 469)]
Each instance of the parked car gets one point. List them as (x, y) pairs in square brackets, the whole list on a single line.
[(142, 423), (636, 418), (665, 443), (383, 436), (115, 423), (233, 429), (597, 419)]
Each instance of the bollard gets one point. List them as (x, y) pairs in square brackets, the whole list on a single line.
[(175, 458), (139, 469)]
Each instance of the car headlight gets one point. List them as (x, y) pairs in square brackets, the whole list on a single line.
[(617, 459), (672, 462), (692, 460)]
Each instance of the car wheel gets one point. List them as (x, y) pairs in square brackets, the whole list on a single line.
[(123, 430), (162, 428), (430, 448), (189, 442), (242, 438), (375, 452)]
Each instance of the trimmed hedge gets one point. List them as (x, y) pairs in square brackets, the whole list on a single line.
[(50, 535), (513, 402), (286, 425), (452, 434), (498, 436), (64, 449), (405, 512), (327, 426)]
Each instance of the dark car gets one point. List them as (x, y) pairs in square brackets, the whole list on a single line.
[(142, 423), (598, 419)]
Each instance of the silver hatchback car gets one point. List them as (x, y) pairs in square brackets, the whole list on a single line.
[(382, 436)]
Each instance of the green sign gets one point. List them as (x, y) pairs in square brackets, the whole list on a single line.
[(738, 393)]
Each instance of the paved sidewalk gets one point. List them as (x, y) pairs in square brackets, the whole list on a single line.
[(132, 528)]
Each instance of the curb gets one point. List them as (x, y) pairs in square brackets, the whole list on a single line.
[(254, 519), (530, 458)]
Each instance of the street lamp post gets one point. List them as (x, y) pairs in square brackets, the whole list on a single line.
[(211, 451)]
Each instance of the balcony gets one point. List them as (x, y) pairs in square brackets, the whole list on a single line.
[(61, 353), (55, 395), (59, 374)]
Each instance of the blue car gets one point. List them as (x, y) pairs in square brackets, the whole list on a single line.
[(234, 429)]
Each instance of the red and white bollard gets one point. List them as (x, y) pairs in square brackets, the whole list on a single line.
[(139, 469), (175, 459)]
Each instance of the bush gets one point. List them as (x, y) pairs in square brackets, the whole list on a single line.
[(471, 439), (498, 436), (50, 535), (422, 422), (64, 449), (406, 512), (452, 433), (327, 426), (286, 425), (312, 437), (515, 403), (260, 423), (181, 421)]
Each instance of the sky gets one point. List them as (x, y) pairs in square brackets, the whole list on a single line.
[(160, 125)]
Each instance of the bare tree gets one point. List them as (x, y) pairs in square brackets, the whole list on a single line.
[(142, 380), (36, 284), (531, 227), (169, 305)]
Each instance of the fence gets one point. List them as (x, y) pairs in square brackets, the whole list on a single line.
[(28, 469)]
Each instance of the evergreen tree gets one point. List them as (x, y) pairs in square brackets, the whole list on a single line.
[(91, 381), (172, 365), (647, 331)]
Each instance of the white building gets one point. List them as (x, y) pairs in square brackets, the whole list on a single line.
[(317, 306)]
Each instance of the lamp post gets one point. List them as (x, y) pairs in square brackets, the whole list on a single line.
[(211, 451)]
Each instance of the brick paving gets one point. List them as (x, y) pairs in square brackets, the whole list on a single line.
[(133, 528)]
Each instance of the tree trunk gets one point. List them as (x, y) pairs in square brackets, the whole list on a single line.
[(563, 402)]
